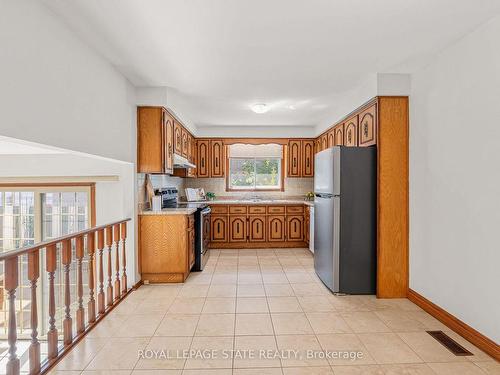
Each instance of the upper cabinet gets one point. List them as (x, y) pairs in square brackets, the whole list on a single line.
[(185, 143), (351, 132), (154, 140), (294, 148), (324, 142), (218, 158), (307, 153), (300, 158), (367, 126), (211, 158), (339, 135), (177, 138), (331, 138)]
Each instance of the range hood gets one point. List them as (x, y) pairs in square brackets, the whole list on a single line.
[(182, 162)]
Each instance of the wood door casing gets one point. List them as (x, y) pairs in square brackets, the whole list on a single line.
[(276, 228), (368, 126), (217, 161), (177, 138), (257, 228), (203, 158), (294, 159), (308, 158), (237, 228), (339, 135), (351, 132), (295, 225), (218, 229)]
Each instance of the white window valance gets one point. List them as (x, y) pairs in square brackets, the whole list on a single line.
[(268, 150)]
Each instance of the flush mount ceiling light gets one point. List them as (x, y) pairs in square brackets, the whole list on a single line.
[(259, 108)]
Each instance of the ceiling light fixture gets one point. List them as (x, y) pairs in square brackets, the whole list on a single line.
[(259, 108)]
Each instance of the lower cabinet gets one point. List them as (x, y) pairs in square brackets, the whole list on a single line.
[(307, 222), (237, 228), (257, 229), (295, 226), (218, 228), (276, 228), (166, 247)]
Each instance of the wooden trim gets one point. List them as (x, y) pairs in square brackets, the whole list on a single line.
[(137, 285), (467, 332)]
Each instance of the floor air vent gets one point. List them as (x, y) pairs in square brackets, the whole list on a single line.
[(449, 343)]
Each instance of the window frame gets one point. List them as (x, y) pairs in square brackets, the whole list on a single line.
[(228, 177)]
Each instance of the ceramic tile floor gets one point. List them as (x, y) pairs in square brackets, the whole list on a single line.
[(269, 308)]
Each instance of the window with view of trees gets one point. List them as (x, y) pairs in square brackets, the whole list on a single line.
[(255, 167)]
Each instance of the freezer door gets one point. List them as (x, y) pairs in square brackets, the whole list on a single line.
[(326, 240), (327, 171)]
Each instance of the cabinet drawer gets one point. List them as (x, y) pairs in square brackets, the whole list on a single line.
[(276, 209), (237, 209), (256, 209), (294, 209), (219, 209)]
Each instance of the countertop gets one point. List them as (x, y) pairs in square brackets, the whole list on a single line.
[(170, 211)]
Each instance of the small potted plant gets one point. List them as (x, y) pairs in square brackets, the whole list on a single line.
[(210, 196), (309, 196)]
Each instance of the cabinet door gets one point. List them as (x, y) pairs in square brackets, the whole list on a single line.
[(324, 142), (307, 214), (351, 132), (294, 159), (189, 151), (276, 228), (191, 247), (169, 143), (257, 228), (150, 131), (203, 165), (218, 160), (185, 142), (331, 137), (307, 158), (339, 135), (237, 228), (177, 138), (295, 228), (192, 172), (317, 145), (368, 126), (218, 229)]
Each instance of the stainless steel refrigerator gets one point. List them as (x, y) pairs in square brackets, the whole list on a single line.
[(345, 219)]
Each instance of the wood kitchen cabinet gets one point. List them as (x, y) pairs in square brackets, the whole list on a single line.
[(339, 135), (307, 154), (217, 156), (166, 247), (351, 132), (331, 138), (294, 158), (257, 228), (185, 142), (237, 228), (276, 228), (367, 126), (324, 142), (177, 138), (154, 140), (219, 228), (203, 150), (307, 222), (295, 229)]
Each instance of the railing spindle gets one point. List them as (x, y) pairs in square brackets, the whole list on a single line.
[(116, 238), (124, 258), (33, 275), (109, 244), (91, 252), (11, 284), (51, 265), (100, 295), (68, 321), (80, 312)]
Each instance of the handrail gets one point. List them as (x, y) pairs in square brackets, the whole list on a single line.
[(97, 257), (26, 249)]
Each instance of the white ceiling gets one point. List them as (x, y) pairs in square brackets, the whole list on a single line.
[(9, 146), (224, 55)]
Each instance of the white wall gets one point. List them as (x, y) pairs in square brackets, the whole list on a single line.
[(55, 90), (455, 180), (114, 199)]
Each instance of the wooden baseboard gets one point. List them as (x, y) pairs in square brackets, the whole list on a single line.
[(470, 334)]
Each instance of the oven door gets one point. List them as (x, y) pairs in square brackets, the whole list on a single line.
[(205, 236)]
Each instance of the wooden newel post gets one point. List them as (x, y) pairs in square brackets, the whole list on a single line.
[(11, 283), (51, 265), (80, 312), (91, 252), (68, 321), (109, 244), (100, 295), (116, 238), (124, 257), (33, 275)]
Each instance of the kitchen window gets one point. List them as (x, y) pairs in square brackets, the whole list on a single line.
[(255, 167)]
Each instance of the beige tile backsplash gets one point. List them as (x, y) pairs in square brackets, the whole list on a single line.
[(294, 187)]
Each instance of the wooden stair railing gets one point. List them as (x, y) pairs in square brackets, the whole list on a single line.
[(84, 243)]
